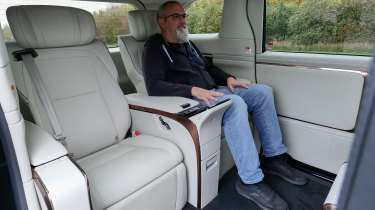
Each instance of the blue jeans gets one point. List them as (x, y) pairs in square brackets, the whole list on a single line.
[(259, 102)]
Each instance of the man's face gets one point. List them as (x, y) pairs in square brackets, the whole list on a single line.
[(173, 18)]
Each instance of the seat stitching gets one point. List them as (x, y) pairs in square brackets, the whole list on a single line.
[(105, 102), (74, 96)]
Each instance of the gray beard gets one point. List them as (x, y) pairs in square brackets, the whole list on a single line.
[(182, 35)]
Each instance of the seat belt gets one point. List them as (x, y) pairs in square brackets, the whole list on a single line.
[(27, 57)]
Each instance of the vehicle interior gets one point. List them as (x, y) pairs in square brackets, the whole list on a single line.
[(79, 130)]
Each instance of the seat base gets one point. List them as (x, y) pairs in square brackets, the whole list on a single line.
[(120, 172), (168, 192)]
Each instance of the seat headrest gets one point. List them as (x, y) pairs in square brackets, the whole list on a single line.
[(37, 26), (143, 24)]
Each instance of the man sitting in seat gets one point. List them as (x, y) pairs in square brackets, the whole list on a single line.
[(174, 66)]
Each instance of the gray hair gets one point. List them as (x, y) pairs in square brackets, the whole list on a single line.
[(162, 7)]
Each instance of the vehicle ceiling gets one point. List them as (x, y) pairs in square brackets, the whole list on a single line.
[(149, 4)]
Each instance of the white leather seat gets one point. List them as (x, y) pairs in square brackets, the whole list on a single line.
[(142, 24), (142, 172), (134, 163)]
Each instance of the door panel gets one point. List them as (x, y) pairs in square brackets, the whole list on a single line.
[(314, 145), (236, 68), (317, 101), (325, 97)]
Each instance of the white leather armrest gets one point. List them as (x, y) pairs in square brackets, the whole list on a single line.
[(42, 147), (334, 193), (197, 135), (169, 104)]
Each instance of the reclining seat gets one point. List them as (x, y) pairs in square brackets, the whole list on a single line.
[(143, 24), (142, 172)]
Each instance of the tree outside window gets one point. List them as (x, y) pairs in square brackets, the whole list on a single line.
[(321, 26)]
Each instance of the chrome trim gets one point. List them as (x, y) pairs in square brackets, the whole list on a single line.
[(362, 72), (84, 175), (329, 206), (43, 189)]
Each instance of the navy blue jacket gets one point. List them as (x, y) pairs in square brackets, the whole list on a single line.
[(173, 69)]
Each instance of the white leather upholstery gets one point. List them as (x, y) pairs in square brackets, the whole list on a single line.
[(42, 147), (34, 27), (166, 104), (145, 157), (60, 174), (142, 24), (167, 187), (82, 84), (81, 81)]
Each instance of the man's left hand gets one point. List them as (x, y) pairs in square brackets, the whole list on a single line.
[(233, 83)]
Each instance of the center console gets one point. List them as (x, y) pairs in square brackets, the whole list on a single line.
[(194, 128)]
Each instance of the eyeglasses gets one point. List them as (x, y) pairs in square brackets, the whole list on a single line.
[(176, 16)]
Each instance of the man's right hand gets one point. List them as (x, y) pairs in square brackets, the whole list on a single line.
[(205, 95)]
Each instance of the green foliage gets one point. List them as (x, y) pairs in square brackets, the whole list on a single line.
[(111, 22), (314, 21), (277, 21), (310, 24), (8, 36), (205, 16)]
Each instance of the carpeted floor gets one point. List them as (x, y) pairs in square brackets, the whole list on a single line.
[(308, 197)]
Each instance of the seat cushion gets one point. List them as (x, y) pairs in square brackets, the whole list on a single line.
[(120, 170)]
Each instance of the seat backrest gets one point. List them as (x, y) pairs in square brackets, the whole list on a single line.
[(77, 72), (142, 24)]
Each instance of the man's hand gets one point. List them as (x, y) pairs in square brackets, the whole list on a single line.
[(233, 83), (205, 95)]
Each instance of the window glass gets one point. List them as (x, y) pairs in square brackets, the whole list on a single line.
[(111, 18), (321, 26), (204, 16)]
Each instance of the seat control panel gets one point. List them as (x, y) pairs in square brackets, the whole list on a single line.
[(200, 108)]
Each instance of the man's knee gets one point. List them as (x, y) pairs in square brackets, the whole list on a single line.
[(238, 104), (263, 90)]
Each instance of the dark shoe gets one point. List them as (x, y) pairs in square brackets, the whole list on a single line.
[(261, 195), (279, 166)]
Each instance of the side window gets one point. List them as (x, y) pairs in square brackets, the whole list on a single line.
[(111, 18), (111, 22), (320, 26), (204, 16)]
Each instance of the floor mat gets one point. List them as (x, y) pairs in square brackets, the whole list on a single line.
[(308, 197)]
